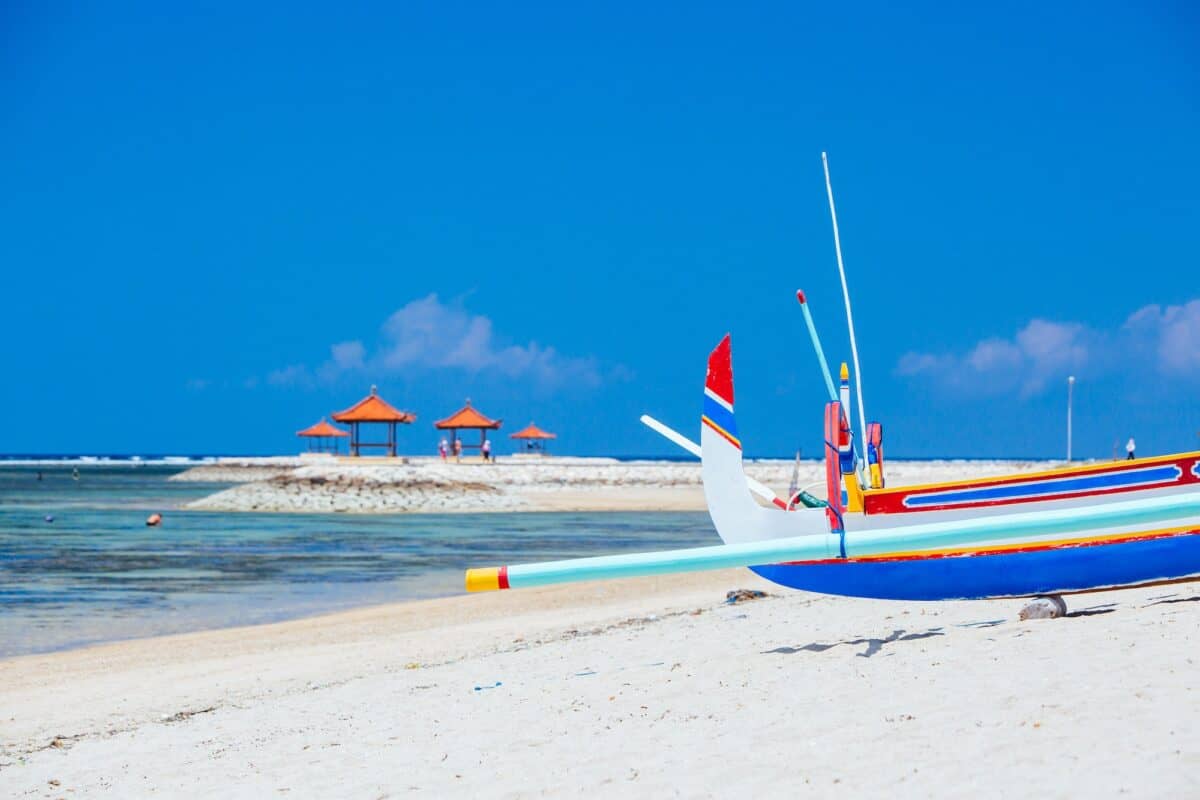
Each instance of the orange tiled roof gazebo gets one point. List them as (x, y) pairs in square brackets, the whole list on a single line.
[(322, 437), (467, 418), (373, 409), (534, 438)]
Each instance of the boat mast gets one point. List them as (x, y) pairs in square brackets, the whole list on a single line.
[(837, 244)]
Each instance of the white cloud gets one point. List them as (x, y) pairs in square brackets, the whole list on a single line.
[(1037, 354), (432, 335), (1174, 334), (348, 355), (292, 375), (1044, 352)]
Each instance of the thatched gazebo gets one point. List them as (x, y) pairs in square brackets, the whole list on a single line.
[(373, 409), (322, 437), (467, 418), (534, 438)]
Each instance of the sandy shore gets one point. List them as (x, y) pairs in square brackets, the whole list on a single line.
[(553, 484), (648, 688)]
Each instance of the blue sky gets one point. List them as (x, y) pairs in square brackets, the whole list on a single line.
[(218, 225)]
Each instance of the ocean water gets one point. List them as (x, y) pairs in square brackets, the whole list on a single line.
[(97, 573)]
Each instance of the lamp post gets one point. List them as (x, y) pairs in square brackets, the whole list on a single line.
[(1070, 397)]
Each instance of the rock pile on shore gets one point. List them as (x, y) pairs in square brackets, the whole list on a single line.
[(401, 489)]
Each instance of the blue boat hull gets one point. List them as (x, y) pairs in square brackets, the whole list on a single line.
[(1009, 574)]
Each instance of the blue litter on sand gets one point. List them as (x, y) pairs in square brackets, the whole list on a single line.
[(493, 686), (741, 595)]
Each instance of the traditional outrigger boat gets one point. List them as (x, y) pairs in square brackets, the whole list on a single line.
[(1082, 528), (1077, 529)]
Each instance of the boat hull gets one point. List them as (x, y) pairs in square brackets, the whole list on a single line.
[(1010, 573)]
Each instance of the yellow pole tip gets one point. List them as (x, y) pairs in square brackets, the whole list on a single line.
[(483, 579), (845, 372)]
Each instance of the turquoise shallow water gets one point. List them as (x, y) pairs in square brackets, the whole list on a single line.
[(97, 573)]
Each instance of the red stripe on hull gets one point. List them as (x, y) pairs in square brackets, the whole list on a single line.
[(502, 578)]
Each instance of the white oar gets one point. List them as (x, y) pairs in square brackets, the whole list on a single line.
[(693, 448)]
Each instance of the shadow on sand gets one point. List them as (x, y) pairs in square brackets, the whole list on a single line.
[(873, 645), (1195, 599), (1091, 611)]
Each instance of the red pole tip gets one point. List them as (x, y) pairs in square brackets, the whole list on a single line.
[(800, 296)]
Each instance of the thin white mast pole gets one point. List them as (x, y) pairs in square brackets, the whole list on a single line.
[(837, 243)]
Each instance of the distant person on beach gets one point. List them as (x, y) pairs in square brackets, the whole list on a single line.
[(1130, 447), (486, 449), (443, 448), (457, 451)]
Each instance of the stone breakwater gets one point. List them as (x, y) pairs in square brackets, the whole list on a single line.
[(400, 491), (230, 470), (433, 486), (305, 485)]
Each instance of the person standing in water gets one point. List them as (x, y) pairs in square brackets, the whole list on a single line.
[(1130, 447)]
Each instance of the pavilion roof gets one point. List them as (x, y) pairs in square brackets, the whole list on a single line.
[(533, 432), (467, 417), (373, 408), (322, 429)]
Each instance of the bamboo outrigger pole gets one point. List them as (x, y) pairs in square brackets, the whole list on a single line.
[(633, 565), (966, 534), (837, 244), (816, 341)]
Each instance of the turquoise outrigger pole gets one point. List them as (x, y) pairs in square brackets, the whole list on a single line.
[(815, 548)]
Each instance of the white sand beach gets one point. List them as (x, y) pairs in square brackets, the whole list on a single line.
[(646, 688)]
